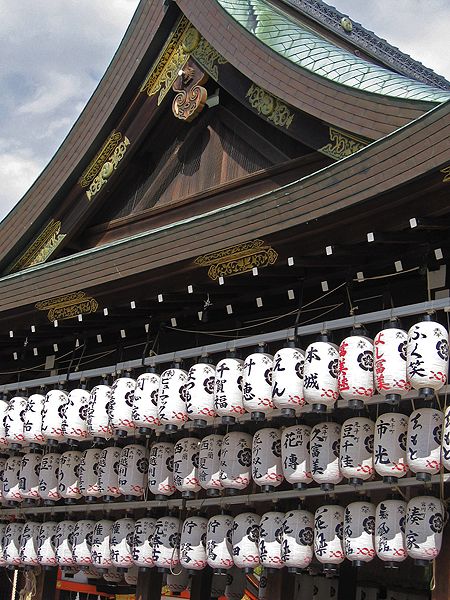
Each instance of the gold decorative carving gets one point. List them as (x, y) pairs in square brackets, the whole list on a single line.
[(68, 306), (108, 168), (95, 166), (42, 247), (269, 106), (446, 171), (238, 259), (342, 144), (208, 58), (191, 97)]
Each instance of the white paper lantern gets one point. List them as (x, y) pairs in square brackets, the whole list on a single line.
[(270, 538), (121, 543), (131, 576), (177, 582), (199, 394), (121, 405), (53, 409), (143, 543), (29, 544), (74, 425), (13, 422), (166, 543), (295, 457), (2, 470), (390, 363), (192, 544), (46, 546), (10, 482), (11, 544), (3, 408), (145, 406), (390, 543), (324, 451), (160, 470), (328, 534), (48, 478), (112, 575), (185, 467), (171, 399), (219, 545), (266, 459), (445, 456), (356, 384), (68, 475), (63, 543), (235, 461), (287, 380), (108, 473), (32, 422), (424, 442), (88, 474), (320, 377), (356, 449), (297, 539), (257, 385), (245, 538), (133, 467), (359, 531), (209, 464), (82, 542), (228, 398), (98, 420), (101, 556), (390, 446), (29, 476), (236, 583), (427, 356), (424, 527)]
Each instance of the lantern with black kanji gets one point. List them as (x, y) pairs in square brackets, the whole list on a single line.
[(390, 363), (209, 464), (219, 548), (29, 544), (121, 405), (295, 457), (185, 467), (390, 543), (390, 446), (228, 396), (328, 536), (143, 543), (270, 539), (63, 543), (235, 461), (266, 459), (324, 453), (74, 424), (160, 470), (13, 422), (257, 386), (199, 393), (166, 543), (297, 540), (68, 476), (245, 538), (29, 477), (424, 442), (287, 379), (45, 545), (424, 527), (121, 544), (445, 457), (108, 473), (53, 410), (3, 409), (48, 478), (320, 377), (193, 544), (98, 419), (11, 544), (359, 531), (356, 384), (356, 450), (133, 467), (101, 556), (145, 405), (32, 422), (171, 398), (82, 542), (10, 481), (88, 474)]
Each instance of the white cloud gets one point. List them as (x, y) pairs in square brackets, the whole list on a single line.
[(18, 170)]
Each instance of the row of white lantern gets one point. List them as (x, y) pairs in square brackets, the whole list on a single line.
[(393, 530)]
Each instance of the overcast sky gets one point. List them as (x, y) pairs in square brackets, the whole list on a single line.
[(53, 53)]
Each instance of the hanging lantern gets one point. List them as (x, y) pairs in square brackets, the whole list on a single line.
[(28, 544), (133, 467), (160, 470), (356, 450), (359, 531), (236, 583), (185, 467), (219, 548), (295, 459), (131, 576), (235, 461), (82, 542), (98, 421), (142, 547), (2, 471), (145, 405), (192, 544), (199, 394), (287, 379), (390, 446), (320, 377), (245, 538), (68, 476), (74, 424), (177, 582), (270, 538), (63, 543), (53, 409), (48, 478), (424, 442), (166, 543), (112, 576), (121, 544), (121, 405), (424, 527), (100, 554), (445, 457), (32, 422), (228, 398), (10, 481), (29, 476), (328, 533), (257, 388), (13, 422), (356, 368), (390, 363), (266, 459), (3, 409), (297, 540), (427, 356), (11, 544), (45, 544), (88, 474), (324, 452), (209, 464), (390, 543), (2, 535), (171, 399), (108, 473)]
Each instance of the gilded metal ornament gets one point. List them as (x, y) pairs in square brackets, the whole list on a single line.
[(42, 247), (108, 168), (191, 95), (342, 144), (269, 106), (104, 154), (68, 306), (446, 171)]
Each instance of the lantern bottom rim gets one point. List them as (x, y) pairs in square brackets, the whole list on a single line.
[(425, 392), (188, 495), (145, 430), (355, 481), (200, 423), (300, 486), (228, 420), (355, 404), (99, 440), (232, 492), (327, 487), (319, 408), (212, 493), (393, 398), (144, 569), (425, 477), (390, 564), (170, 428), (257, 416), (289, 413), (421, 562)]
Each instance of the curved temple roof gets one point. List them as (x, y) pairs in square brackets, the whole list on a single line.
[(306, 48)]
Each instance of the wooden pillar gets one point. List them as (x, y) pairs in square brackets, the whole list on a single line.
[(442, 569), (149, 585), (46, 585), (5, 584), (348, 577), (201, 585), (276, 584)]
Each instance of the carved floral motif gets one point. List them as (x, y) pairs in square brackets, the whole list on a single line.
[(342, 144)]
